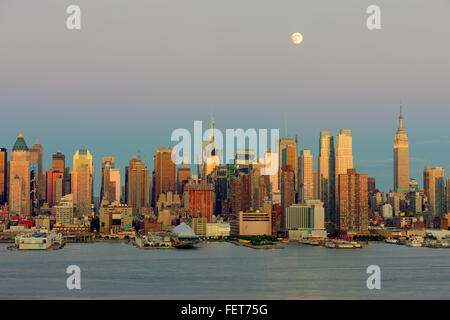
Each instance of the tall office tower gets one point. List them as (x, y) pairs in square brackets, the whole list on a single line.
[(259, 189), (54, 180), (289, 157), (415, 202), (394, 200), (58, 162), (244, 160), (137, 185), (20, 182), (343, 159), (36, 156), (447, 195), (316, 185), (184, 172), (327, 176), (401, 158), (82, 182), (306, 190), (220, 189), (344, 152), (165, 172), (270, 160), (198, 200), (287, 192), (353, 202), (3, 175), (372, 186), (433, 183), (110, 188), (54, 186), (240, 193), (210, 157), (59, 165), (67, 182)]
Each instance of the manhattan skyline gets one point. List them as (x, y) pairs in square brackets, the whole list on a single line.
[(381, 169), (121, 85)]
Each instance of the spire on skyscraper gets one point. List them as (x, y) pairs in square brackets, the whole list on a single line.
[(400, 119)]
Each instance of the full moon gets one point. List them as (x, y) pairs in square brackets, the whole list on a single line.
[(297, 38)]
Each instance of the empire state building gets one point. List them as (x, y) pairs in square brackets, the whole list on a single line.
[(401, 157)]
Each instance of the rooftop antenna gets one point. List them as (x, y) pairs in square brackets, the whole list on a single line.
[(139, 154), (212, 124), (285, 125)]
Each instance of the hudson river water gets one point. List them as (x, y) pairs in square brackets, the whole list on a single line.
[(225, 271)]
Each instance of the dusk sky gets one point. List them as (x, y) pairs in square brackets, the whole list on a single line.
[(139, 69)]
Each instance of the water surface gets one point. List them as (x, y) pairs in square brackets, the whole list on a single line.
[(225, 271)]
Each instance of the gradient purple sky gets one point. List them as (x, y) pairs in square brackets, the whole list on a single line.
[(140, 69)]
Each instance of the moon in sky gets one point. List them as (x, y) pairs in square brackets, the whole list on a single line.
[(297, 38)]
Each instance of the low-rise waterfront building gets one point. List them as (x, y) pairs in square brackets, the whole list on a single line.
[(306, 220), (218, 229), (251, 224)]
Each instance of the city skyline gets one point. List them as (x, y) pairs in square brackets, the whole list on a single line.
[(381, 169)]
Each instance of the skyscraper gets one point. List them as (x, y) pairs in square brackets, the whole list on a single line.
[(165, 172), (36, 159), (288, 149), (401, 158), (344, 152), (210, 154), (327, 177), (447, 196), (59, 165), (3, 175), (287, 192), (343, 159), (306, 191), (54, 184), (434, 185), (240, 192), (110, 188), (58, 162), (82, 181), (220, 189), (184, 172), (19, 192), (137, 185), (353, 203), (198, 199)]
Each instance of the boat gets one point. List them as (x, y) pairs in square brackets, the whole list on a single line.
[(39, 240), (414, 242), (343, 244), (392, 241), (356, 244), (330, 244)]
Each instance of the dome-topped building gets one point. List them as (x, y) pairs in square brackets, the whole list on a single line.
[(183, 236), (184, 231)]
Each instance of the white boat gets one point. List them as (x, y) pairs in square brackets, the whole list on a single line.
[(392, 241), (414, 242), (42, 240)]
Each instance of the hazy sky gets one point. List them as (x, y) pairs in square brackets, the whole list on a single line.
[(140, 69)]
